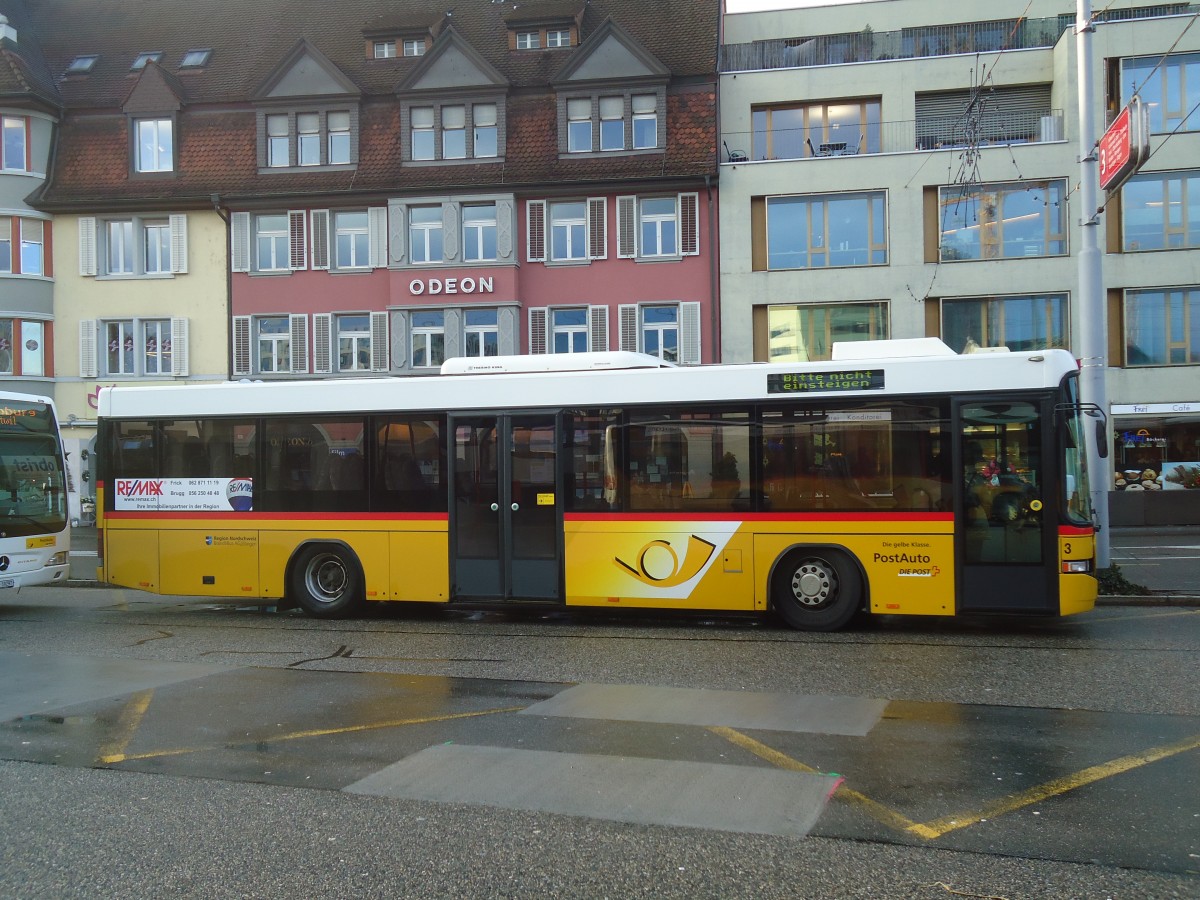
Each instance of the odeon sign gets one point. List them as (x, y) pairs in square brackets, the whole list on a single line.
[(484, 284)]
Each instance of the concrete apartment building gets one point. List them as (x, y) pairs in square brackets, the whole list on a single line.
[(907, 168)]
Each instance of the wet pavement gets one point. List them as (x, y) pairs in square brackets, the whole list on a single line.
[(1092, 787)]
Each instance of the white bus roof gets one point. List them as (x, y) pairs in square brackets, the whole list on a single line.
[(864, 378)]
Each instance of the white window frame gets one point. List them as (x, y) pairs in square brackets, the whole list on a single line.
[(643, 116), (657, 222), (119, 246), (456, 132), (529, 40), (558, 37), (576, 142), (360, 239), (274, 235), (573, 228), (285, 145), (95, 337), (29, 242), (631, 335), (474, 233), (273, 341), (485, 130), (612, 113), (421, 337), (571, 331), (158, 155), (14, 159), (308, 138), (414, 47), (480, 331), (279, 144), (160, 331), (156, 246), (423, 231), (426, 129), (6, 241), (357, 340), (337, 142), (629, 227), (385, 49)]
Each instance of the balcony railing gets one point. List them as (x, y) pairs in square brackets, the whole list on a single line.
[(928, 133), (922, 41)]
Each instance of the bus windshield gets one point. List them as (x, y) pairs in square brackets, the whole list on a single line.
[(33, 497), (1077, 498)]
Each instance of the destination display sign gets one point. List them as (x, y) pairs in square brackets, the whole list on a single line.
[(824, 382)]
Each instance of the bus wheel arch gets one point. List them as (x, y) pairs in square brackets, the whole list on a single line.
[(325, 579), (817, 587)]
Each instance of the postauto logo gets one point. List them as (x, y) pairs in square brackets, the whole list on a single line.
[(139, 487)]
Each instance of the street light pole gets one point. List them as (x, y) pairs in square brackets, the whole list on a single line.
[(1093, 338)]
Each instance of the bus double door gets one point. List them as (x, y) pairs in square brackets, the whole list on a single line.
[(1007, 506), (505, 515)]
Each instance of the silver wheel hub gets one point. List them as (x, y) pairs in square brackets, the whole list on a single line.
[(326, 579), (814, 583)]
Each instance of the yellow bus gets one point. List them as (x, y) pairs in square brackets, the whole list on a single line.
[(897, 478)]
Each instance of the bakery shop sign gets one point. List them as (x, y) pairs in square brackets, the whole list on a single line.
[(484, 284)]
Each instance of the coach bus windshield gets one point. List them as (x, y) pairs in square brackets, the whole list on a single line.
[(1077, 500), (33, 499)]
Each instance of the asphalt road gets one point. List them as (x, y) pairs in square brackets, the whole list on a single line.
[(156, 745)]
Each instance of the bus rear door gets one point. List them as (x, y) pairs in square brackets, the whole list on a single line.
[(505, 514), (1005, 506)]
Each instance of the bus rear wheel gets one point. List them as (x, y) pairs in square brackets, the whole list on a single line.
[(327, 582), (817, 590)]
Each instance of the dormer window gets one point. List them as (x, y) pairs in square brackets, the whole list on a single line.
[(155, 146), (454, 131), (558, 37), (391, 47), (529, 40), (550, 37), (385, 49), (308, 138), (142, 58), (194, 59), (614, 122), (414, 47), (82, 65)]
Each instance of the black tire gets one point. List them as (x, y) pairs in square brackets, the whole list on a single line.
[(327, 581), (817, 589)]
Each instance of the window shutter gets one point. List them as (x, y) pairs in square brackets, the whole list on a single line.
[(298, 328), (88, 361), (322, 342), (629, 327), (320, 239), (535, 231), (241, 343), (179, 260), (297, 239), (377, 235), (508, 322), (626, 227), (689, 224), (239, 237), (689, 334), (597, 228), (379, 342), (398, 237), (537, 329), (399, 340), (598, 329), (87, 245), (179, 346), (453, 336)]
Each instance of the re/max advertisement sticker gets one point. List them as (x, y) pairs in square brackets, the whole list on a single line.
[(184, 494)]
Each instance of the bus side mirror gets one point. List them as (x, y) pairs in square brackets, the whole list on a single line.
[(1101, 439)]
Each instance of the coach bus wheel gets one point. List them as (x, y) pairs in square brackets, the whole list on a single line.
[(327, 582), (817, 590)]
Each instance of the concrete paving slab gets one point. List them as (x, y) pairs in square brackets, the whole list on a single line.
[(37, 683), (617, 788), (732, 709)]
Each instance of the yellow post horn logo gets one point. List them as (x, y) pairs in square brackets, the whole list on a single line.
[(658, 564)]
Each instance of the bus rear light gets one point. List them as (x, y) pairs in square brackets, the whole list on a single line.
[(1076, 566)]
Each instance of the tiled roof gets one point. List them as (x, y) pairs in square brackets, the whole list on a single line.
[(217, 139), (23, 69)]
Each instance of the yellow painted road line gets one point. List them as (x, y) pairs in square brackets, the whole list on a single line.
[(127, 725), (875, 810), (1058, 786), (944, 825), (116, 757)]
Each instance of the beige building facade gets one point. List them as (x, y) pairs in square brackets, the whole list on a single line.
[(904, 168)]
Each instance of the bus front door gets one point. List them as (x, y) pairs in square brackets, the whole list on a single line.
[(506, 526), (1005, 509)]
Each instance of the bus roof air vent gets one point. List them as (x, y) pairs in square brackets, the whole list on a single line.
[(900, 348), (551, 362)]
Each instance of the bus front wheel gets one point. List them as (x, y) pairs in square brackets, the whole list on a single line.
[(327, 582), (817, 590)]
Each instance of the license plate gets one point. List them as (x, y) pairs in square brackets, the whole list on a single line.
[(8, 582)]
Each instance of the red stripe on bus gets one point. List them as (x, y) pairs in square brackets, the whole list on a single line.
[(760, 517), (1075, 531), (252, 517)]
